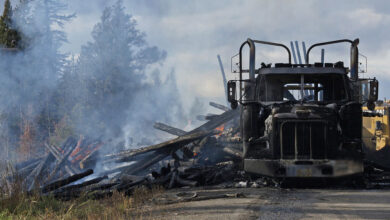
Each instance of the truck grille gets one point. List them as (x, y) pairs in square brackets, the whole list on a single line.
[(303, 140)]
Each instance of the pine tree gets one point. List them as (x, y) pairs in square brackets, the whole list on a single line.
[(113, 66), (9, 37), (29, 79)]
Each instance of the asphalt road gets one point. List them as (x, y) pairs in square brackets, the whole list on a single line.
[(273, 203)]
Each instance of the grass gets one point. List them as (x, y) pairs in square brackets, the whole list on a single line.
[(117, 206), (16, 204)]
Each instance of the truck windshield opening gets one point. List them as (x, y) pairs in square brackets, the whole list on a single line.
[(306, 87)]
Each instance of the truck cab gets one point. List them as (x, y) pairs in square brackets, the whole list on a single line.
[(300, 120)]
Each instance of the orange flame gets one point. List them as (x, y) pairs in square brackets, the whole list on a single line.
[(221, 128)]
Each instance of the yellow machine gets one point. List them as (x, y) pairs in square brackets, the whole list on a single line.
[(376, 133)]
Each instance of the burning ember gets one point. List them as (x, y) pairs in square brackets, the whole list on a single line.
[(221, 128)]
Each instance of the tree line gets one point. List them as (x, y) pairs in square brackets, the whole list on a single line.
[(113, 89)]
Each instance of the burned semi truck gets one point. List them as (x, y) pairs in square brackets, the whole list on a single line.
[(300, 120)]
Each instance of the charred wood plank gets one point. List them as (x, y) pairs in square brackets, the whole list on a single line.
[(217, 121), (53, 151), (60, 162), (163, 180), (83, 151), (69, 169), (70, 142), (37, 172), (27, 168), (232, 152), (89, 159), (210, 117), (136, 164), (173, 145), (219, 106), (67, 195), (81, 185), (126, 186), (207, 117), (185, 182), (173, 180), (201, 117), (63, 182), (103, 186), (145, 163), (169, 129), (27, 163), (167, 147)]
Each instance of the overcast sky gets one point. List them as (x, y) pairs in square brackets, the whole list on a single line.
[(194, 32)]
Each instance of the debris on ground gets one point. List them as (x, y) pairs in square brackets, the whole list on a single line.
[(207, 156)]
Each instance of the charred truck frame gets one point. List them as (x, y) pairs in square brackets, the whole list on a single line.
[(301, 120)]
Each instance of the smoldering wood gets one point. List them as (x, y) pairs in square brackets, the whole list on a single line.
[(82, 152), (37, 172), (201, 118), (89, 159), (83, 184), (185, 182), (234, 146), (203, 141), (194, 175), (95, 194), (126, 186), (207, 117), (131, 178), (146, 157), (103, 186), (141, 161), (166, 147), (70, 142), (219, 106), (53, 151), (28, 168), (163, 179), (169, 129), (187, 153), (173, 145), (60, 162), (198, 145), (232, 152), (63, 182), (145, 163), (24, 164), (201, 131), (176, 158), (229, 140), (210, 117), (173, 180), (69, 169), (217, 121), (67, 195), (57, 149)]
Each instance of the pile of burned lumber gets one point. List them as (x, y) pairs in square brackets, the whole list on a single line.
[(206, 155), (213, 142), (68, 159)]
